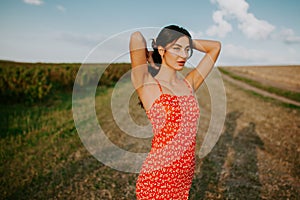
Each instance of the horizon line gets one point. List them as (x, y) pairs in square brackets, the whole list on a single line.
[(107, 63)]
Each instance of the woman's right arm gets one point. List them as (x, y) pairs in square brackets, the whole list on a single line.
[(138, 56)]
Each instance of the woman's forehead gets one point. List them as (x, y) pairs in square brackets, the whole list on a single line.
[(183, 41)]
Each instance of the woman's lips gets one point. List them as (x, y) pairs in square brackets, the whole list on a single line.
[(181, 63)]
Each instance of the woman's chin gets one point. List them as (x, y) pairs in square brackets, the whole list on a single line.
[(179, 67)]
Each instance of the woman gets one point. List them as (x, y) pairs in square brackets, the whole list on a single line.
[(171, 107)]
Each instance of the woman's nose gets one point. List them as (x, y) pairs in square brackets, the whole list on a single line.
[(183, 54)]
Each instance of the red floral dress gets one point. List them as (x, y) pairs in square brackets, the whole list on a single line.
[(168, 170)]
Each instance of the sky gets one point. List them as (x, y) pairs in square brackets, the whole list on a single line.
[(252, 32)]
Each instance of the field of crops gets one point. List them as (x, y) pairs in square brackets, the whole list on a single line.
[(34, 82)]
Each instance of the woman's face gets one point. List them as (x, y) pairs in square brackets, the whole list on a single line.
[(177, 53)]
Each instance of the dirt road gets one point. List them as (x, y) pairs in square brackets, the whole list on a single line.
[(260, 91)]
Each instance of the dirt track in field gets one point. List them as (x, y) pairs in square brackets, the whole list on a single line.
[(260, 91), (283, 77)]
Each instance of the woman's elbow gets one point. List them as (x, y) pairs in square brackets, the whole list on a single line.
[(215, 50), (218, 45), (136, 36)]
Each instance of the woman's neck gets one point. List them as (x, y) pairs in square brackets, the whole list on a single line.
[(167, 74)]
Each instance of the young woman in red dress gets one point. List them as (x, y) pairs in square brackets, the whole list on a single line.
[(171, 106)]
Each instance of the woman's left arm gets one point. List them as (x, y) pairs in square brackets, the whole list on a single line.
[(211, 49)]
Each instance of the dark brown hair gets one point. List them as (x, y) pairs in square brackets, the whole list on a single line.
[(167, 35)]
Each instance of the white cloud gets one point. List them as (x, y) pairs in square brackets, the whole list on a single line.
[(61, 8), (239, 54), (252, 27), (196, 34), (232, 54), (289, 36), (33, 2), (221, 28)]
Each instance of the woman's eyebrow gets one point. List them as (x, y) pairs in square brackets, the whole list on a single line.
[(181, 46), (178, 45)]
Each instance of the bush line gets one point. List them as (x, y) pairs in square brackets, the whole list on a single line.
[(34, 82)]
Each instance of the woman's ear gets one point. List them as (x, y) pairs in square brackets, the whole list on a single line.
[(161, 51)]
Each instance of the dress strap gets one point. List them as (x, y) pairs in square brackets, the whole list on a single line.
[(158, 85), (191, 90)]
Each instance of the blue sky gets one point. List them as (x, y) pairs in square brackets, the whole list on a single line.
[(252, 32)]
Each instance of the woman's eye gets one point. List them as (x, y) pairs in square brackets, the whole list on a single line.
[(176, 48)]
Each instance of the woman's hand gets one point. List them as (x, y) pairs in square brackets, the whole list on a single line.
[(211, 49), (208, 46)]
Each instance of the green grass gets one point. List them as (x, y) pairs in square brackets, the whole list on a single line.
[(42, 156), (288, 94), (35, 142), (287, 105)]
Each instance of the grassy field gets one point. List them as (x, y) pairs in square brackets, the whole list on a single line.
[(283, 77), (42, 157), (280, 80)]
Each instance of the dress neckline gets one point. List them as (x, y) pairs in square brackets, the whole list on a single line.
[(188, 85), (167, 94)]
